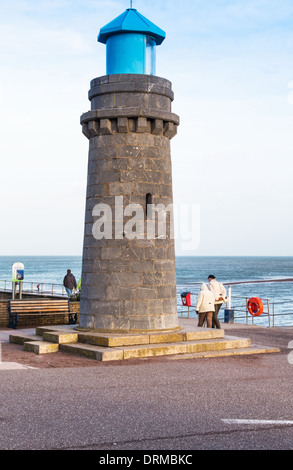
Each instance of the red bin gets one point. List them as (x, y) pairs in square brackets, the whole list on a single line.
[(186, 299)]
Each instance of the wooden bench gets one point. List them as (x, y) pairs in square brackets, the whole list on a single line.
[(39, 307)]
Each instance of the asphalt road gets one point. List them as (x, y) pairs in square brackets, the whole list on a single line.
[(160, 405)]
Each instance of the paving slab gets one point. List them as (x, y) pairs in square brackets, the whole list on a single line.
[(13, 366)]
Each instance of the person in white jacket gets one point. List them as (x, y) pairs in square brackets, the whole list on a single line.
[(205, 306), (220, 294)]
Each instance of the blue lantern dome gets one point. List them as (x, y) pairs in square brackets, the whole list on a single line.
[(131, 41)]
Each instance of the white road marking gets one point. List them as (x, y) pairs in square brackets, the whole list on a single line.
[(257, 421)]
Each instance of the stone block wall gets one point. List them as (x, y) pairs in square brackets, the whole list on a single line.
[(129, 283), (32, 320)]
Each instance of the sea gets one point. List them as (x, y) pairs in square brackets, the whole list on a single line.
[(242, 273)]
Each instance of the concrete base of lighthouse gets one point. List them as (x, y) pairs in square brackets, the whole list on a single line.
[(191, 342)]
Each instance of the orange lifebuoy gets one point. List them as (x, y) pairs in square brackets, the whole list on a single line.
[(255, 306)]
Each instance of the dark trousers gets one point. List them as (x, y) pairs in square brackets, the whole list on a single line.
[(216, 323), (208, 316)]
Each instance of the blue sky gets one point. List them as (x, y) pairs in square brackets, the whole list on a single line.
[(230, 63)]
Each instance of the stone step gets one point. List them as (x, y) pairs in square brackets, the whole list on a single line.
[(22, 337), (40, 330), (118, 340), (60, 337), (184, 344), (185, 347), (254, 349), (51, 335), (65, 335), (153, 350), (40, 347), (90, 351)]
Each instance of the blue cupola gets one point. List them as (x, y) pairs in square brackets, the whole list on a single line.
[(131, 41)]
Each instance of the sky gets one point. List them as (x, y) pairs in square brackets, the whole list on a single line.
[(230, 64)]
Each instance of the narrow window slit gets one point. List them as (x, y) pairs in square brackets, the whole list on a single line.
[(149, 200)]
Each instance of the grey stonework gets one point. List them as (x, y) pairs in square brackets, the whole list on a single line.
[(128, 284)]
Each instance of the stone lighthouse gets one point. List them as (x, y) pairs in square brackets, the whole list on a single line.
[(128, 269)]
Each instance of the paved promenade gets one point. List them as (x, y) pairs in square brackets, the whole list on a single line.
[(161, 404)]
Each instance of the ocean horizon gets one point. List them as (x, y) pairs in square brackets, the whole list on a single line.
[(49, 268), (191, 271)]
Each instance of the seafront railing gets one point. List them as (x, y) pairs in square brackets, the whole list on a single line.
[(241, 314), (275, 312), (38, 288)]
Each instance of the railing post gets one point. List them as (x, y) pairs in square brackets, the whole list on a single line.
[(246, 311), (269, 312)]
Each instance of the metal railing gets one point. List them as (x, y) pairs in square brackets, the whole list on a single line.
[(272, 311), (286, 302), (38, 288), (247, 316), (238, 304)]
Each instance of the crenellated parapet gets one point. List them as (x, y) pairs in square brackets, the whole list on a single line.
[(112, 102), (101, 122)]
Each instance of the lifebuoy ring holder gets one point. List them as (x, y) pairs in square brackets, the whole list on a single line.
[(255, 306)]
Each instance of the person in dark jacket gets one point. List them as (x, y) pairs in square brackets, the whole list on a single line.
[(69, 282)]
